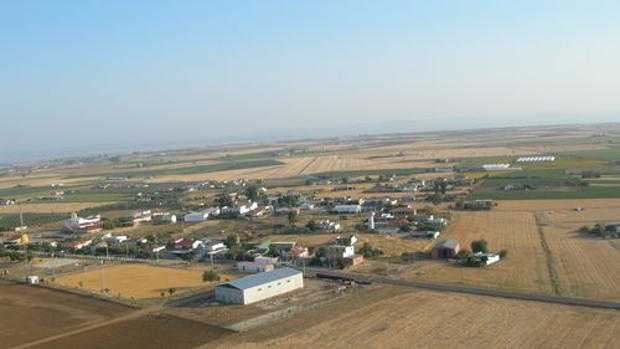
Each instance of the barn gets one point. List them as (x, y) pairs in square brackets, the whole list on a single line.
[(445, 249), (258, 287)]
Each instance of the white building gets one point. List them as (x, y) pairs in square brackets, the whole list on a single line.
[(77, 224), (201, 215), (266, 260), (32, 280), (347, 209), (261, 286), (341, 251), (495, 167), (437, 221), (490, 257)]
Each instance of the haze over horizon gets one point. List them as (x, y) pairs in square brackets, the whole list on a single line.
[(81, 77)]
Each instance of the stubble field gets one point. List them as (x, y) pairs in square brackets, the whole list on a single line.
[(137, 280), (401, 318)]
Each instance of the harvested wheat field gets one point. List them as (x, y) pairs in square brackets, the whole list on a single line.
[(55, 207), (399, 318), (136, 280), (586, 266), (30, 313), (525, 268), (150, 331)]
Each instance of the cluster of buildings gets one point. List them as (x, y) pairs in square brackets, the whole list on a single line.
[(79, 225)]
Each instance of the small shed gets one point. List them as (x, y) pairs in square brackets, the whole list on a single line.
[(32, 280), (445, 249)]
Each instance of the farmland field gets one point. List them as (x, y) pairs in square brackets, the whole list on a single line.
[(29, 313), (136, 280), (524, 269), (397, 318)]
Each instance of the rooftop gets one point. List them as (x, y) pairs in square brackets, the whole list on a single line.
[(251, 281), (446, 244)]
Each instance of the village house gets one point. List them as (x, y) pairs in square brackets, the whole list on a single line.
[(403, 212), (297, 253)]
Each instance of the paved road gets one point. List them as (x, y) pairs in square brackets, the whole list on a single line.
[(471, 290)]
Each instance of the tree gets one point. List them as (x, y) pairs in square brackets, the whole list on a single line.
[(172, 290), (210, 276), (251, 193), (369, 252), (503, 254), (463, 254), (292, 217), (223, 199), (479, 246), (439, 186), (29, 256), (312, 225), (584, 230), (273, 251), (232, 241)]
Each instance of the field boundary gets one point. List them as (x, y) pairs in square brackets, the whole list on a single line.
[(553, 274), (476, 291)]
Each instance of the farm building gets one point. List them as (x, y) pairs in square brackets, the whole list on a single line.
[(486, 258), (201, 215), (495, 167), (254, 267), (32, 280), (354, 260), (77, 224), (261, 286), (347, 209), (536, 159), (445, 249)]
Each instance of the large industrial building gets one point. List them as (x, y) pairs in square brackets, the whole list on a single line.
[(258, 287)]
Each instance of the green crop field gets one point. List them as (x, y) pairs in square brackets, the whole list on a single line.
[(610, 154), (573, 193)]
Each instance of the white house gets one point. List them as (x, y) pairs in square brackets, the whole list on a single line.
[(347, 209), (32, 280), (436, 221), (201, 215), (341, 251), (261, 286)]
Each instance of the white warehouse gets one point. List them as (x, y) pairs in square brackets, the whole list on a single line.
[(201, 215), (258, 287)]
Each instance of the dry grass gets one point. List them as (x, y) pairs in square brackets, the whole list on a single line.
[(424, 319), (137, 280)]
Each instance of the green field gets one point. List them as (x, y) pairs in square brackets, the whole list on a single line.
[(577, 193), (610, 154)]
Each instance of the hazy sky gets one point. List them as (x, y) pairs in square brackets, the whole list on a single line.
[(83, 76)]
